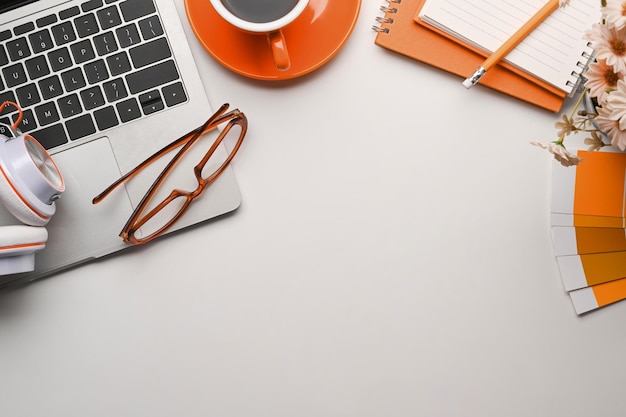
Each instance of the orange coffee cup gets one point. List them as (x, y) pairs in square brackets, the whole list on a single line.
[(263, 17)]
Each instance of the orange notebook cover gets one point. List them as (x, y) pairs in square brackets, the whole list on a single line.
[(399, 32)]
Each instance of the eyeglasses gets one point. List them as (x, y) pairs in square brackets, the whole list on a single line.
[(149, 221)]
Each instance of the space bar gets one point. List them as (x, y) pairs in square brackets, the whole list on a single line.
[(151, 77)]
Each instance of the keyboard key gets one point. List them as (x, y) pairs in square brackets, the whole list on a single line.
[(91, 5), (71, 12), (151, 27), (51, 137), (60, 59), (4, 59), (151, 77), (92, 98), (86, 25), (105, 43), (115, 90), (146, 98), (70, 105), (82, 51), (5, 34), (106, 118), (63, 33), (150, 52), (118, 63), (128, 35), (28, 95), (14, 75), (40, 41), (46, 20), (73, 79), (24, 28), (128, 110), (153, 107), (50, 87), (109, 18), (80, 127), (96, 71), (151, 102), (134, 9), (37, 67), (174, 94), (5, 129), (47, 113), (28, 122), (7, 96), (18, 49)]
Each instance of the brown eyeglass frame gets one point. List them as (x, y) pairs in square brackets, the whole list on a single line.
[(138, 218)]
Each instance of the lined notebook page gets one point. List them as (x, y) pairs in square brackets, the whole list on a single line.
[(551, 52)]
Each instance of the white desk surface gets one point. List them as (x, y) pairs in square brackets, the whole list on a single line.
[(392, 257)]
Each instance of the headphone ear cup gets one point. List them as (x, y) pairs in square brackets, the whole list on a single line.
[(20, 208), (18, 245)]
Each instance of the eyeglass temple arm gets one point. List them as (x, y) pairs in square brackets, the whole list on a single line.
[(209, 125), (142, 165)]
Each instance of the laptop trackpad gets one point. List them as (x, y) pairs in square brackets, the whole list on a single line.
[(80, 230)]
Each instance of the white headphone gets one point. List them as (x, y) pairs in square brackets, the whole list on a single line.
[(30, 182)]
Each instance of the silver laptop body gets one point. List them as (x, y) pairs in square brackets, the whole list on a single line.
[(131, 88)]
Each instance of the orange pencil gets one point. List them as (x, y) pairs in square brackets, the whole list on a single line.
[(516, 38)]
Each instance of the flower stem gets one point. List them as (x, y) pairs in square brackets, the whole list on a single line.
[(578, 102)]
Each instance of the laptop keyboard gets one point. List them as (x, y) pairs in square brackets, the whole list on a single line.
[(87, 69)]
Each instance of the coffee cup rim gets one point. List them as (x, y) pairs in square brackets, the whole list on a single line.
[(255, 26)]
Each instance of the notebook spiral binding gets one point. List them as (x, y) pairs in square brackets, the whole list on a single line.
[(578, 79), (386, 20)]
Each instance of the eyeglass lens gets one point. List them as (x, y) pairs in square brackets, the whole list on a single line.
[(166, 207)]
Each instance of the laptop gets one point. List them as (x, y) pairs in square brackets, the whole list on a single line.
[(103, 84)]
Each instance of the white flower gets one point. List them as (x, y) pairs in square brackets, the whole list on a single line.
[(614, 14), (616, 103), (595, 142), (604, 121), (610, 45), (565, 125), (601, 80), (618, 138), (559, 152), (611, 127)]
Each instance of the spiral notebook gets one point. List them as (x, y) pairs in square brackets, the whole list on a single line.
[(398, 31), (554, 52)]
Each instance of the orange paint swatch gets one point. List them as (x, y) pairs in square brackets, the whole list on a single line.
[(600, 184), (591, 298)]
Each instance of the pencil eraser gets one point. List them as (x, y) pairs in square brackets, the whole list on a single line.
[(468, 83)]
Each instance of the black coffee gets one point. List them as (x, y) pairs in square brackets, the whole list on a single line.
[(260, 11)]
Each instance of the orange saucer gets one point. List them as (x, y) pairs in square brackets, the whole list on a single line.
[(312, 39)]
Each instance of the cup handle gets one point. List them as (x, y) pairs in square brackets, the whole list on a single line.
[(279, 50)]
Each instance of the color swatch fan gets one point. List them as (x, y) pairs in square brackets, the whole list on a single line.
[(588, 228)]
